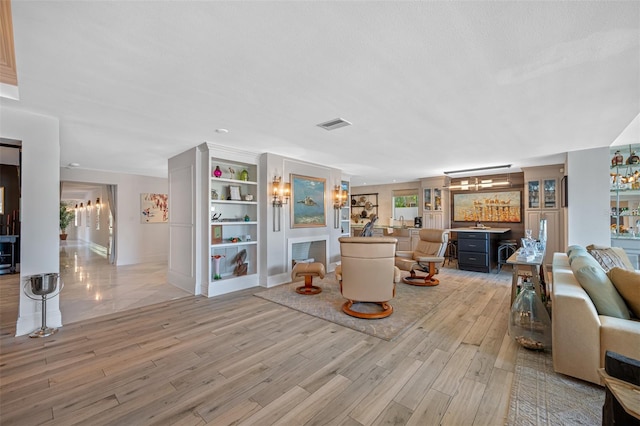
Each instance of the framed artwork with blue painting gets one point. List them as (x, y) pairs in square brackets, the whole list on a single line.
[(307, 205)]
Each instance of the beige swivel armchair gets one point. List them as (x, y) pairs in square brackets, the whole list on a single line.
[(367, 274), (427, 257)]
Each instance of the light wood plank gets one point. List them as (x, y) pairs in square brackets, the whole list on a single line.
[(430, 410), (373, 404), (241, 359), (464, 405)]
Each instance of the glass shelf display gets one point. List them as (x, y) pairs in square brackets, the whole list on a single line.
[(624, 185)]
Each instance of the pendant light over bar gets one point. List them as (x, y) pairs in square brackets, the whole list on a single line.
[(466, 184)]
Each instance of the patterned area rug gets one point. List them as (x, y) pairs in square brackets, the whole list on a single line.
[(540, 396), (410, 304)]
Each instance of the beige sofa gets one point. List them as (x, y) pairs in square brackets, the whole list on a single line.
[(580, 336)]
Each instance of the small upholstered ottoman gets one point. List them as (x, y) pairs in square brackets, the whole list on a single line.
[(308, 271)]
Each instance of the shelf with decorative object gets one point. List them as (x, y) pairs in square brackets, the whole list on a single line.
[(624, 183), (233, 207), (218, 186), (363, 206), (345, 210)]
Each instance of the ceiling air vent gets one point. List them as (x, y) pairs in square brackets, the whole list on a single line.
[(336, 123)]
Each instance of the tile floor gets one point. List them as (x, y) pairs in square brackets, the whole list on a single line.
[(93, 287)]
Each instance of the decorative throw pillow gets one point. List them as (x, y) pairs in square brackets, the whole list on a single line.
[(610, 257), (601, 291), (628, 285)]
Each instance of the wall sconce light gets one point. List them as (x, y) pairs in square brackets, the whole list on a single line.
[(279, 197), (98, 201), (339, 199), (81, 206), (275, 189), (89, 204), (76, 207)]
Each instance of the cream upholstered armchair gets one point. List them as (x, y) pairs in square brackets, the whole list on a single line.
[(427, 257), (367, 274)]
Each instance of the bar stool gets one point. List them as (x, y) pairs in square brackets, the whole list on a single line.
[(451, 252), (505, 249)]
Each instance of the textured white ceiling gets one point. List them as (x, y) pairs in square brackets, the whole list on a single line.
[(428, 86)]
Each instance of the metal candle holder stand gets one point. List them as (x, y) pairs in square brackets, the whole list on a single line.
[(43, 285)]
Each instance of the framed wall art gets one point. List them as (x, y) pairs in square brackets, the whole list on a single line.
[(234, 193), (499, 206), (154, 208), (307, 205)]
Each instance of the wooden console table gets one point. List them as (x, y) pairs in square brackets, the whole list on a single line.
[(534, 267)]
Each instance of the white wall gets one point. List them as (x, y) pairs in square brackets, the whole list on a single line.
[(39, 240), (589, 208), (136, 242), (385, 200), (274, 268)]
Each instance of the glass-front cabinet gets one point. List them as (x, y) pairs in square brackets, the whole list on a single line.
[(432, 199), (435, 203), (542, 193), (542, 202)]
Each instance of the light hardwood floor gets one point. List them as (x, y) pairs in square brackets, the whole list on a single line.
[(242, 360)]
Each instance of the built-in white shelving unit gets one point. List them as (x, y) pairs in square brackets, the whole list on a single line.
[(215, 209)]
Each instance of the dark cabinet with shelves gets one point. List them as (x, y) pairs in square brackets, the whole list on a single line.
[(476, 251)]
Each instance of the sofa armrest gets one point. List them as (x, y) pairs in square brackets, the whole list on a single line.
[(575, 326), (427, 259), (619, 335), (404, 254)]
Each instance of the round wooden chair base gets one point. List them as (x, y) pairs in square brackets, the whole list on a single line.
[(308, 289), (420, 281), (387, 310)]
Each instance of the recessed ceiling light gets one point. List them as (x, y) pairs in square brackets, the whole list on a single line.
[(222, 131)]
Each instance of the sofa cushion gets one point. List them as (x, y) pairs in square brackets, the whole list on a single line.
[(600, 289), (628, 285), (576, 249), (610, 257), (584, 259)]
